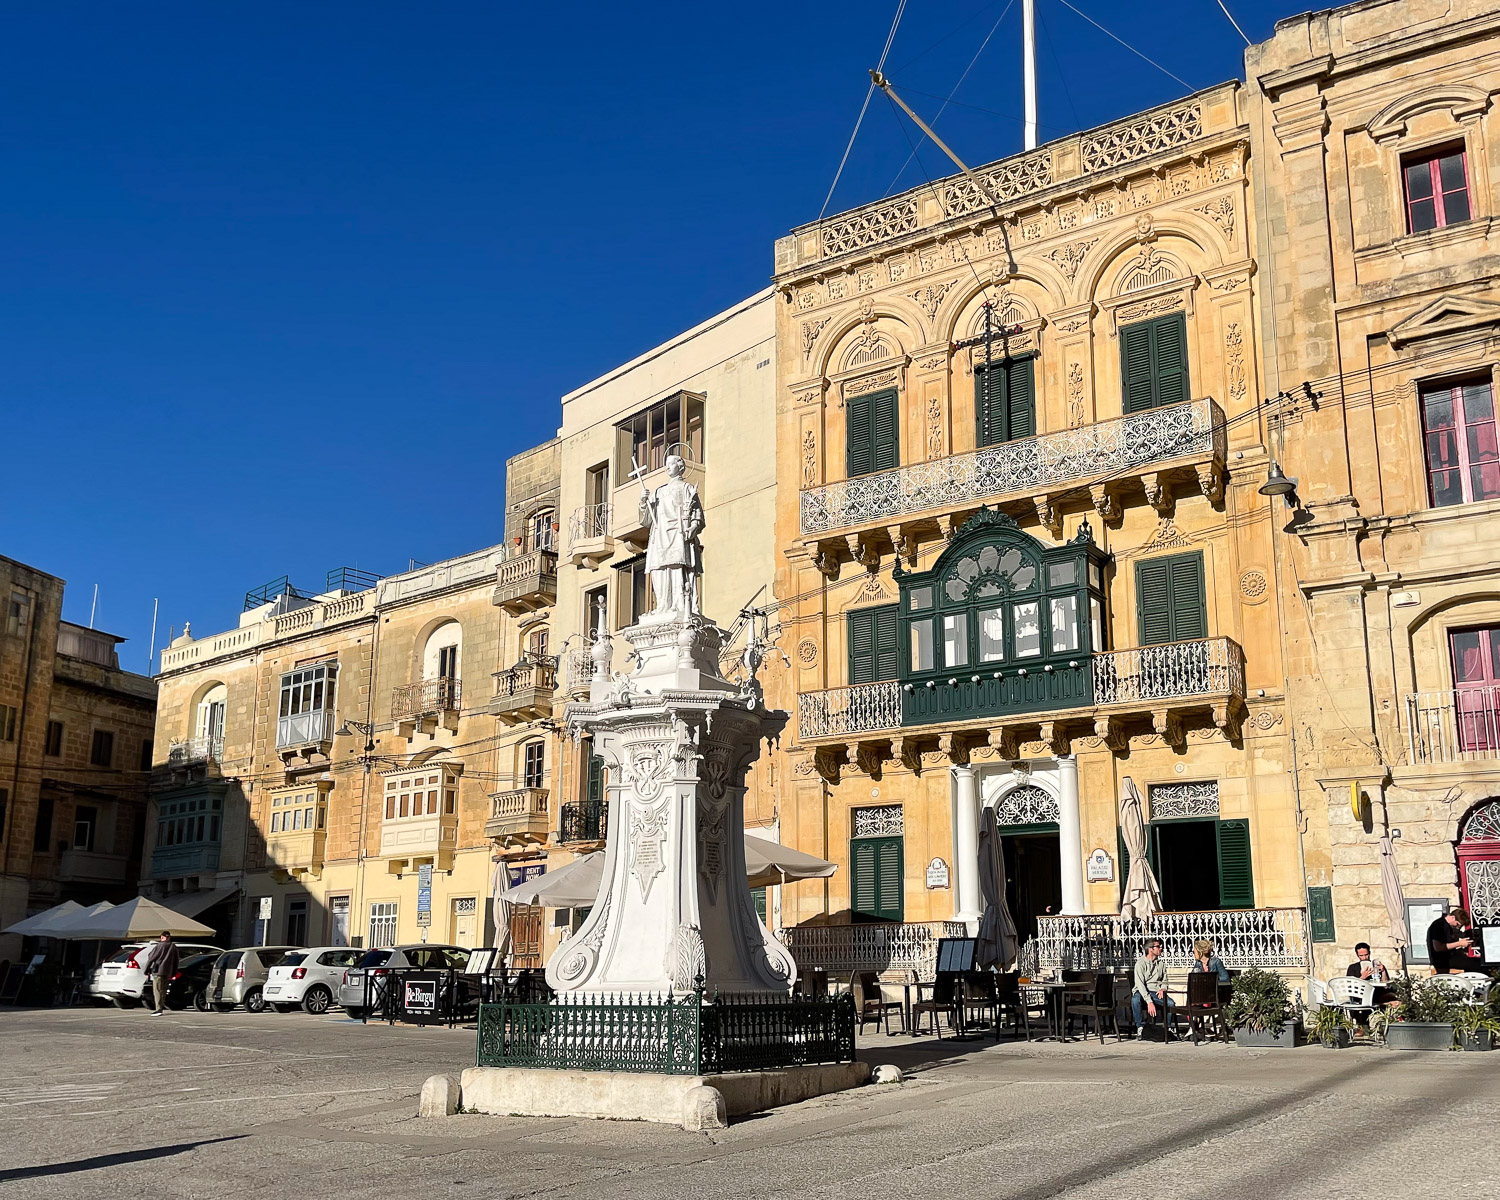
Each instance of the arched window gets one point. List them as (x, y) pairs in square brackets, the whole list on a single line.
[(1479, 863), (208, 726), (540, 530), (536, 644), (1000, 624), (533, 764)]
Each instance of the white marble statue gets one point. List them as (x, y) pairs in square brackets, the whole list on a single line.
[(674, 556)]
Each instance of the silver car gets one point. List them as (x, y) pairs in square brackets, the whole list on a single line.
[(239, 977), (363, 991)]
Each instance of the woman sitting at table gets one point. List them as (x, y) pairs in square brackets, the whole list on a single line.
[(1205, 960)]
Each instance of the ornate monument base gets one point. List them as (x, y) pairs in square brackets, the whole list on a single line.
[(674, 907)]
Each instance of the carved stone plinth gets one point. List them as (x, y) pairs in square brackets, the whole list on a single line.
[(674, 904)]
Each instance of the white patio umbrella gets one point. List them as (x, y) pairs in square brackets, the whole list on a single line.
[(770, 863), (1395, 903), (501, 908), (63, 926), (40, 924), (1142, 893), (998, 942), (138, 918)]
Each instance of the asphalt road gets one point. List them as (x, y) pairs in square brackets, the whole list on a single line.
[(102, 1103)]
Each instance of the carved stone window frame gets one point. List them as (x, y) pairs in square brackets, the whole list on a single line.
[(1389, 130), (1173, 295)]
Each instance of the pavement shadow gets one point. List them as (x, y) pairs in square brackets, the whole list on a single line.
[(100, 1161)]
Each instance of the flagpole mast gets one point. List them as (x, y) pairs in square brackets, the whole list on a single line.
[(1028, 54)]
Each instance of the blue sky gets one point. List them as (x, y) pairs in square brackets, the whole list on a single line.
[(284, 285)]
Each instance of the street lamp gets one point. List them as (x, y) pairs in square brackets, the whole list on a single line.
[(1278, 483), (350, 728)]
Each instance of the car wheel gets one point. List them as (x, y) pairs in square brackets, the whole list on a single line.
[(124, 1001), (316, 1001), (255, 1001), (200, 1000), (223, 1008)]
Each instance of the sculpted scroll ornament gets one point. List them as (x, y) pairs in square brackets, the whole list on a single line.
[(935, 427), (687, 959), (809, 458), (1221, 213), (810, 331), (1234, 361), (1075, 395), (1070, 257), (931, 296)]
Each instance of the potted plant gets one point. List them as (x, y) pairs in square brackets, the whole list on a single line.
[(1333, 1026), (1260, 1009), (1423, 1019), (1474, 1027)]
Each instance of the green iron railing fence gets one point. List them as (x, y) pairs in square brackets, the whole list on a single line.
[(690, 1034)]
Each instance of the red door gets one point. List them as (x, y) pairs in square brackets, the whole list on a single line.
[(1476, 682)]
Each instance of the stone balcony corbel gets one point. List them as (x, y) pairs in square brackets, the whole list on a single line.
[(1168, 724), (1111, 731), (909, 751), (1054, 735), (1211, 481), (862, 551), (1159, 492), (1106, 502), (869, 757), (1049, 513), (829, 761)]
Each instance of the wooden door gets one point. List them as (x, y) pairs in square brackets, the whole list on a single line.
[(526, 936)]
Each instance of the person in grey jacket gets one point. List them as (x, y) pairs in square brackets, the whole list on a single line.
[(161, 965), (1150, 986)]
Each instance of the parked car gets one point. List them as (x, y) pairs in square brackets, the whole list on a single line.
[(189, 986), (360, 1000), (240, 976), (121, 978), (309, 978)]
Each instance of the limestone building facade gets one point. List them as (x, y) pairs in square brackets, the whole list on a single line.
[(76, 735), (1377, 158), (1024, 554)]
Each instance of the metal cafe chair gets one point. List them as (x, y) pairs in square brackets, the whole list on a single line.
[(1023, 1004), (1097, 1004), (871, 1004), (1204, 1004), (946, 998), (980, 997)]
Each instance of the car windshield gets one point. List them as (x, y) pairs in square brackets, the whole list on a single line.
[(231, 959), (374, 958), (291, 960), (123, 954), (270, 958)]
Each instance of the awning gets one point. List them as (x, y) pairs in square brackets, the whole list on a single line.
[(190, 904)]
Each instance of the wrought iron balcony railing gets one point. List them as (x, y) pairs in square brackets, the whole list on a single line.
[(305, 729), (1269, 938), (1461, 725), (583, 821), (1025, 467), (190, 751), (882, 946), (1143, 675), (589, 521), (438, 695)]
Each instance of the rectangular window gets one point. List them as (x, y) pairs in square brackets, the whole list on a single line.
[(634, 591), (991, 635), (921, 645), (338, 920), (147, 748), (1202, 864), (872, 435), (382, 925), (1064, 624), (956, 640), (872, 643), (1437, 188), (103, 752), (54, 739), (447, 662), (7, 723), (1153, 358), (1005, 401), (876, 878), (4, 801), (1463, 459), (17, 612), (534, 770), (1476, 680), (1028, 628), (296, 923), (41, 835), (673, 426), (85, 821), (595, 610), (1170, 599)]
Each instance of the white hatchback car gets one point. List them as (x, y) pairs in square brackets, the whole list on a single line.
[(309, 978), (121, 978)]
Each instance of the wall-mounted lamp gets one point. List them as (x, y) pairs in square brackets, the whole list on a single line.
[(1277, 482)]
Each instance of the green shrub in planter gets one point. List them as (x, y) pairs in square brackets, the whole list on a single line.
[(1333, 1026), (1423, 1018), (1261, 1002), (1474, 1028)]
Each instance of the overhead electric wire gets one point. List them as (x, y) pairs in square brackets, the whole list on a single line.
[(863, 108), (1128, 46), (1233, 22), (923, 54)]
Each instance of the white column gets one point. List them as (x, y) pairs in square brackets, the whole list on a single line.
[(1070, 836), (966, 869)]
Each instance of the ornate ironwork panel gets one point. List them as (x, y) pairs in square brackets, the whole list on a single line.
[(1482, 882), (1027, 805), (1141, 137), (884, 820), (857, 709), (583, 821), (1252, 937), (908, 948), (1483, 824), (1206, 667), (755, 1033), (1023, 467), (1174, 800)]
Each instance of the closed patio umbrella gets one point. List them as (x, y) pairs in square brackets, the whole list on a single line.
[(1142, 893), (501, 909), (1395, 903), (40, 924), (138, 918), (998, 942)]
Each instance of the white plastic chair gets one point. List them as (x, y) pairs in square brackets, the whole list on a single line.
[(1474, 985), (1345, 991)]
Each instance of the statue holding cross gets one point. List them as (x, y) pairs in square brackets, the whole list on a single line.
[(674, 556)]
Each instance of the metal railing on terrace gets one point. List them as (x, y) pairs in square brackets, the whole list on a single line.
[(589, 521), (305, 729), (195, 750), (583, 821), (1270, 938), (1459, 725), (901, 947), (426, 696), (1025, 467), (1144, 674)]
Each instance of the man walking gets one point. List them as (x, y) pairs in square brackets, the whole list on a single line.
[(161, 965), (1149, 994)]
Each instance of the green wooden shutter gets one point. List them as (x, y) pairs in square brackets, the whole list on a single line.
[(1135, 367), (596, 778), (991, 399), (859, 447), (1153, 600), (872, 643), (1170, 335), (892, 879), (887, 658), (1189, 606), (862, 881), (1236, 880), (1320, 914), (885, 432), (1022, 399)]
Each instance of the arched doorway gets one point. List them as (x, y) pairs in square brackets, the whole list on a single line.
[(1479, 862), (1026, 818)]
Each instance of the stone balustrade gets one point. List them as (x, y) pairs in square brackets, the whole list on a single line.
[(895, 948)]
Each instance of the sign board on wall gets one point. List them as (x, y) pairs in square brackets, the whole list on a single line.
[(424, 896), (937, 874), (1101, 868)]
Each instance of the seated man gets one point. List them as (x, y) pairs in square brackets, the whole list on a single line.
[(1150, 987), (1365, 967)]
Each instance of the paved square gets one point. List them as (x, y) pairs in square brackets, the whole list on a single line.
[(96, 1102)]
